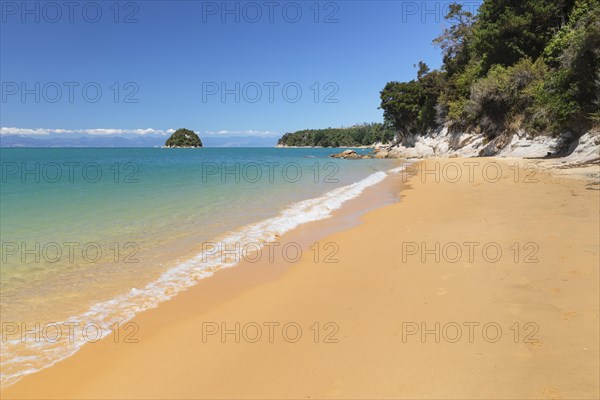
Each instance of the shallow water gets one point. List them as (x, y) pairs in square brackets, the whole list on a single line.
[(93, 236)]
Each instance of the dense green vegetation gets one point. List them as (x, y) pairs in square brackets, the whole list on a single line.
[(532, 64), (184, 138), (358, 135), (516, 64)]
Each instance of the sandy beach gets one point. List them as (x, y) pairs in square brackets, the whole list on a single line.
[(481, 282)]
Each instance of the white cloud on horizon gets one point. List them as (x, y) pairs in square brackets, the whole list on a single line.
[(113, 132), (98, 131)]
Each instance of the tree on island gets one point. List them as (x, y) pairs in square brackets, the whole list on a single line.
[(184, 138)]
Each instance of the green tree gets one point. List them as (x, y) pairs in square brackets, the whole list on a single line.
[(568, 97), (508, 30), (454, 41), (400, 102)]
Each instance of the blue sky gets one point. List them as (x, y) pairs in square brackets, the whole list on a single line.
[(168, 65)]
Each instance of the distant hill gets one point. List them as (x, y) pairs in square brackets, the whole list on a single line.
[(136, 141), (81, 141)]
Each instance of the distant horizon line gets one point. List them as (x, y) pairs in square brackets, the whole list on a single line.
[(113, 132)]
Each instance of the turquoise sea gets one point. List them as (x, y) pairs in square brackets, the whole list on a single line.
[(102, 234)]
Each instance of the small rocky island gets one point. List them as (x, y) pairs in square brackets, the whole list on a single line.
[(378, 152), (183, 138)]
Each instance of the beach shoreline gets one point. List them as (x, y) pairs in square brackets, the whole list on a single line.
[(362, 317)]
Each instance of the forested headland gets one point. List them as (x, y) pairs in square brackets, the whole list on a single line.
[(354, 136), (530, 65)]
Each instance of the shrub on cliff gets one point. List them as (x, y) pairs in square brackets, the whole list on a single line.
[(504, 94)]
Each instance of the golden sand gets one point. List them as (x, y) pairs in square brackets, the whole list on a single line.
[(420, 304)]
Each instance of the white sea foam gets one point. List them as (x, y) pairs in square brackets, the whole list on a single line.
[(124, 307)]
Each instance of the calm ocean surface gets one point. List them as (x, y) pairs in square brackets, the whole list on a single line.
[(101, 234)]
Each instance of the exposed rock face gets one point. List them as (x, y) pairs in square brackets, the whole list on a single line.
[(585, 149), (566, 148), (495, 146), (183, 138), (443, 143), (381, 153)]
